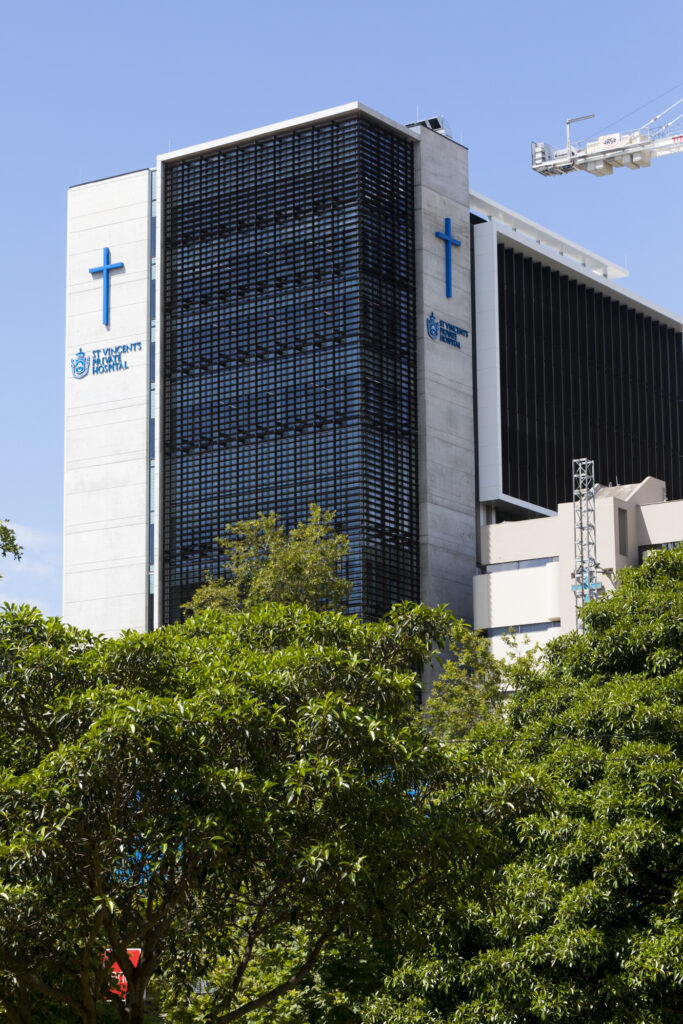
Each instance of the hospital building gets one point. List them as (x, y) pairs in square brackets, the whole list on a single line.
[(325, 310)]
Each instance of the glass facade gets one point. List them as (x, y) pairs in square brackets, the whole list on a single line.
[(288, 355), (583, 374)]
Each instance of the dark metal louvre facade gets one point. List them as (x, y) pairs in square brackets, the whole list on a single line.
[(288, 355), (583, 374)]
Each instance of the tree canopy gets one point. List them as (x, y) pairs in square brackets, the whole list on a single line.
[(580, 917), (210, 792), (252, 799), (8, 541), (472, 687), (266, 562)]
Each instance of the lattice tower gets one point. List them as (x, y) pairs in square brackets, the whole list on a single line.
[(586, 585)]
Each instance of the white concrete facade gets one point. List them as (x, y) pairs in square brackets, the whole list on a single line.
[(528, 565), (106, 484)]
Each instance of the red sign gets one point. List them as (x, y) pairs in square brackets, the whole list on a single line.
[(120, 984)]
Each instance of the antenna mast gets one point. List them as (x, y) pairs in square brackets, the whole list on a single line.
[(586, 585)]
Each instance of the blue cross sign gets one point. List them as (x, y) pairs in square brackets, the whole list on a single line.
[(446, 236), (105, 270)]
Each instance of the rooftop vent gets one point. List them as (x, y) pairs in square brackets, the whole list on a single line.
[(437, 124)]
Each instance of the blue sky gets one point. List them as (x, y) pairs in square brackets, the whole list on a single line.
[(95, 89)]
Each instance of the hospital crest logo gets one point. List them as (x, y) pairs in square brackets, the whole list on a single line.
[(80, 365), (432, 327)]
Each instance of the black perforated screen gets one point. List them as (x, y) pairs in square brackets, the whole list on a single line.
[(288, 354), (583, 374)]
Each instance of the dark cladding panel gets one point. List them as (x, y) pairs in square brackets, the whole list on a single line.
[(289, 351), (583, 374)]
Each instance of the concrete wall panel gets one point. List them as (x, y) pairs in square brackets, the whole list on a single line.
[(106, 443), (445, 384)]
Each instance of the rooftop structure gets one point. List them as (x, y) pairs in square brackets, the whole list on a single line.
[(527, 578)]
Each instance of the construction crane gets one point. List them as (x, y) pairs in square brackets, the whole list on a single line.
[(631, 149)]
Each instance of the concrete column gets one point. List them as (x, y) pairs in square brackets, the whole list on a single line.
[(445, 382)]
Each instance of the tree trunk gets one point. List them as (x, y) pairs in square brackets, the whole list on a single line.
[(18, 1011), (134, 1012), (24, 1004)]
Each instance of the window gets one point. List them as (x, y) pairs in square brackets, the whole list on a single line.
[(623, 532)]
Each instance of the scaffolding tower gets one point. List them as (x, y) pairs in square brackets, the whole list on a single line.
[(586, 585)]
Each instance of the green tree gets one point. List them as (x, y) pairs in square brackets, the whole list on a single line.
[(350, 968), (265, 562), (8, 541), (207, 792), (472, 687), (580, 918)]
